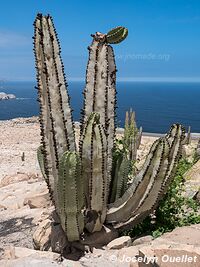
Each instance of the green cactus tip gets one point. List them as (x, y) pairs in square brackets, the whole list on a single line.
[(116, 35)]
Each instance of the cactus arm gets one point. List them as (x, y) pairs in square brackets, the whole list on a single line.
[(40, 158), (100, 93), (85, 151), (111, 100), (137, 179), (98, 196), (124, 170), (120, 179), (117, 35), (93, 172), (101, 83), (70, 196), (122, 212), (132, 136), (90, 83), (139, 137), (100, 90), (117, 160), (188, 136), (56, 124), (46, 123), (64, 97), (54, 83), (173, 144), (175, 139), (148, 199)]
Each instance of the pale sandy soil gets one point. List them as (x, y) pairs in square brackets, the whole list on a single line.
[(18, 136), (23, 135)]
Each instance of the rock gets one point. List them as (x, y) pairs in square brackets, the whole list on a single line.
[(168, 255), (4, 96), (38, 201), (10, 179), (49, 235), (41, 237), (12, 196), (198, 196), (188, 151), (142, 240), (120, 242), (181, 241), (58, 238), (101, 238), (18, 257), (189, 235), (194, 172), (192, 177), (128, 255), (2, 207)]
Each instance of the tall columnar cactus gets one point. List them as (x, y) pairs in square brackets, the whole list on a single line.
[(124, 159), (188, 136), (132, 135), (87, 187)]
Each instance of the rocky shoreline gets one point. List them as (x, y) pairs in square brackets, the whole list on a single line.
[(24, 203), (4, 96)]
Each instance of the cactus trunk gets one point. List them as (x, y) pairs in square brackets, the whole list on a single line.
[(93, 157), (100, 92)]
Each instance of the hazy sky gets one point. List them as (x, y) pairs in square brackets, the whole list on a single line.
[(163, 41)]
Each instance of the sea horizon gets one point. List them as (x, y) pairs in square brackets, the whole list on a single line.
[(157, 104)]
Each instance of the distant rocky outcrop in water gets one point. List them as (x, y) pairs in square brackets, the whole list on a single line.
[(4, 96)]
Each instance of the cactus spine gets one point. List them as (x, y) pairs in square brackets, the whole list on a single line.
[(87, 186)]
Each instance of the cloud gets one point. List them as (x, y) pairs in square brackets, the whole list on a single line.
[(12, 39)]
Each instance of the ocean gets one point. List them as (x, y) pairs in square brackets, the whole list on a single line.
[(157, 104)]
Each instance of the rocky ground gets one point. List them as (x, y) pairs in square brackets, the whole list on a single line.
[(24, 199)]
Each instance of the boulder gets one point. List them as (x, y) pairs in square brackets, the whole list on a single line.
[(120, 242), (18, 257), (38, 201), (168, 255), (49, 235), (17, 177), (143, 240), (101, 238), (14, 178), (192, 180), (42, 235), (13, 196), (128, 256), (198, 196), (189, 235), (188, 151)]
